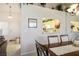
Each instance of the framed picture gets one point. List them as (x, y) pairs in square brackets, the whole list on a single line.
[(50, 25), (32, 23), (74, 26)]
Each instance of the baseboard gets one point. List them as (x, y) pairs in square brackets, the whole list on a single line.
[(30, 53)]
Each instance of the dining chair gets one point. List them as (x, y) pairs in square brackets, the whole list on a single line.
[(53, 41), (65, 39), (41, 50)]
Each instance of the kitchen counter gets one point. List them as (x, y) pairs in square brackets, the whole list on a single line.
[(3, 46), (2, 42)]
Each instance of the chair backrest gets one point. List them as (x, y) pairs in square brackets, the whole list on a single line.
[(41, 50), (53, 39), (64, 38)]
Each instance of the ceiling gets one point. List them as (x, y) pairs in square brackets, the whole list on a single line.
[(15, 8), (57, 6), (5, 11)]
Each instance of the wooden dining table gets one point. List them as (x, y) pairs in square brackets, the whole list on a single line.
[(64, 49)]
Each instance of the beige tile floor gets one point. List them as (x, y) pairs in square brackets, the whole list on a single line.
[(13, 49)]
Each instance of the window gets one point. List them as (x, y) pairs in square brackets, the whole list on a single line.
[(3, 28), (32, 23)]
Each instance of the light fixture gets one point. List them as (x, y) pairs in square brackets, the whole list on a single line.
[(74, 9), (10, 13)]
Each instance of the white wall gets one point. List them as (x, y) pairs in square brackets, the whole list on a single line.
[(28, 35), (13, 25), (13, 30)]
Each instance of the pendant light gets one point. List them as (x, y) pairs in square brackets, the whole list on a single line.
[(10, 13), (74, 9)]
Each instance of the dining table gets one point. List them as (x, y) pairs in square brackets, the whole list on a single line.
[(64, 49)]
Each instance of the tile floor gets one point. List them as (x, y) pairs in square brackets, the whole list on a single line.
[(13, 49)]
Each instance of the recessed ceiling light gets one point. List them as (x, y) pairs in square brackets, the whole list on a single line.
[(10, 17)]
